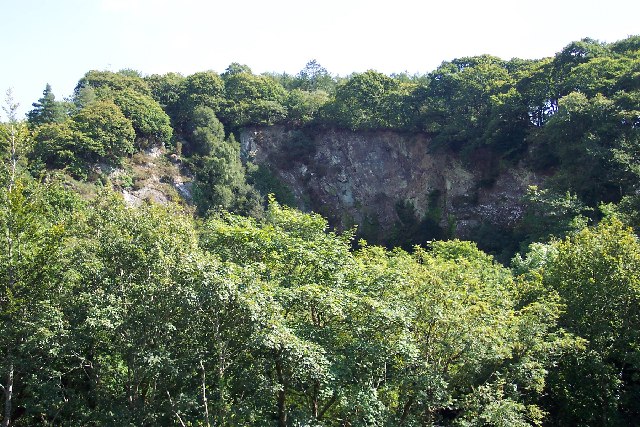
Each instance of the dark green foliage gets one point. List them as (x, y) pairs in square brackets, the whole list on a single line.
[(368, 101), (202, 89), (549, 215), (410, 230), (251, 99), (205, 131), (266, 182), (150, 122), (220, 180), (461, 96), (589, 136), (46, 110), (168, 90), (99, 132), (314, 77), (303, 106), (573, 55)]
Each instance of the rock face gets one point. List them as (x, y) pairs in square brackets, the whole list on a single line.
[(153, 177), (355, 178)]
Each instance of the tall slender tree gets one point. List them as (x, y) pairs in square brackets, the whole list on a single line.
[(46, 110)]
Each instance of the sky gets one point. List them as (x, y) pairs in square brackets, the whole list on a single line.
[(58, 41)]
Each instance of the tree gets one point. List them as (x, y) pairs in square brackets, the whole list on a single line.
[(303, 107), (108, 133), (597, 274), (61, 145), (167, 90), (534, 83), (367, 101), (551, 215), (220, 179), (46, 110), (98, 132), (572, 55), (592, 138), (150, 122), (114, 81), (600, 75), (462, 94), (203, 89), (315, 77), (30, 288), (205, 131), (236, 68), (251, 99)]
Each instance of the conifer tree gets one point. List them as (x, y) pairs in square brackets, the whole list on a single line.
[(46, 110)]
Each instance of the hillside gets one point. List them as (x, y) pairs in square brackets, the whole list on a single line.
[(183, 250)]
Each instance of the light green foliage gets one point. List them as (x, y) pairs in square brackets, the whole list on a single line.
[(109, 131), (303, 106), (597, 275), (31, 287), (406, 337), (467, 336), (273, 321), (114, 81)]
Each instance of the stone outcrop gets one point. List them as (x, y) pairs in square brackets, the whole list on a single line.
[(354, 177)]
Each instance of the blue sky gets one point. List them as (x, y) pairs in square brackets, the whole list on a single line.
[(57, 41)]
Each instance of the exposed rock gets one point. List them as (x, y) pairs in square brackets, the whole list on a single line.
[(145, 194), (352, 177), (155, 178), (154, 151)]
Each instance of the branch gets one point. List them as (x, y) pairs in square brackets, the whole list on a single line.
[(173, 407), (328, 405)]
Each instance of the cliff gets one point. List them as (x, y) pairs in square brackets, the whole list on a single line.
[(383, 181)]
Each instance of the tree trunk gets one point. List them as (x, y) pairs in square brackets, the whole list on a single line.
[(314, 400), (327, 405), (282, 396), (406, 410), (8, 395), (204, 394)]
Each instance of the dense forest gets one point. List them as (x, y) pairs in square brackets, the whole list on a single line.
[(236, 309)]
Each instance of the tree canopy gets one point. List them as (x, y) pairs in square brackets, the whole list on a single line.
[(241, 311)]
